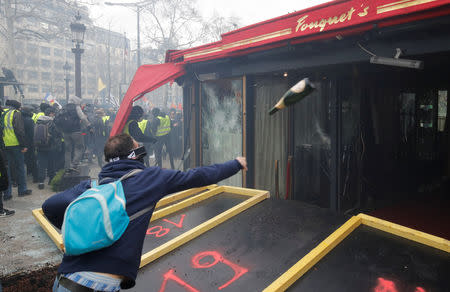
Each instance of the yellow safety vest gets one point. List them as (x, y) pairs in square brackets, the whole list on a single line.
[(105, 119), (143, 125), (36, 116), (164, 126), (9, 136), (126, 129)]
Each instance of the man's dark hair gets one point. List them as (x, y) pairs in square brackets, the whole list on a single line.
[(118, 146), (43, 106)]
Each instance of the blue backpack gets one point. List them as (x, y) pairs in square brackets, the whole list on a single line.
[(97, 218)]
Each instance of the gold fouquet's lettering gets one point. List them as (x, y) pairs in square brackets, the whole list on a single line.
[(303, 25), (364, 12)]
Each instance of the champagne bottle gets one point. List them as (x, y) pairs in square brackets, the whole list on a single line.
[(293, 95)]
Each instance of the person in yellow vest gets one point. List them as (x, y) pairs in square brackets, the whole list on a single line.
[(161, 128), (43, 106), (132, 127), (146, 129), (15, 147)]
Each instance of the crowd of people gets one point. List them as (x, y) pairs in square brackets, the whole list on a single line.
[(39, 141)]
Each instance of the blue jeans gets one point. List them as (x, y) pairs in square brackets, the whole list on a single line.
[(16, 159), (45, 161), (57, 287)]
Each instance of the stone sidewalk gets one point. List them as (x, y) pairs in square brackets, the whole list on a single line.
[(24, 245)]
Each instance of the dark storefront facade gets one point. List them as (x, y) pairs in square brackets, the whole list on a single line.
[(370, 133)]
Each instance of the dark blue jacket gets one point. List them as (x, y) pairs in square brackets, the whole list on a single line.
[(142, 190)]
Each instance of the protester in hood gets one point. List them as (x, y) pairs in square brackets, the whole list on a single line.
[(115, 267), (70, 121)]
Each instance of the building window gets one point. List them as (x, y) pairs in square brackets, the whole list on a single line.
[(45, 51), (33, 61), (32, 75), (58, 65), (58, 52), (46, 88), (45, 76), (33, 88), (45, 63), (32, 49), (19, 74)]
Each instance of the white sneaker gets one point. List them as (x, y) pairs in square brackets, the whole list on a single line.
[(6, 213)]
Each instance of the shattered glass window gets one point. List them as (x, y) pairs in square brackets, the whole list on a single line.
[(221, 123)]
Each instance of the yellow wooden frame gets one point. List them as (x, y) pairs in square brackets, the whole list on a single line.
[(57, 238), (315, 255), (255, 196)]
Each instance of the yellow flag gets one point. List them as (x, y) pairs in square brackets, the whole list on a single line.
[(100, 85)]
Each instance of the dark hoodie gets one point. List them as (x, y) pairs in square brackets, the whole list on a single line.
[(144, 189)]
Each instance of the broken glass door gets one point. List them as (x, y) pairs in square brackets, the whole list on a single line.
[(221, 123)]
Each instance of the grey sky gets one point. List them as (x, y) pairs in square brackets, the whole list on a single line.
[(123, 19)]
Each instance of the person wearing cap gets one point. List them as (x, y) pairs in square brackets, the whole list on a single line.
[(15, 147)]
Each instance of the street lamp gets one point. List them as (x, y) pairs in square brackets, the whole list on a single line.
[(78, 29), (138, 6), (67, 68)]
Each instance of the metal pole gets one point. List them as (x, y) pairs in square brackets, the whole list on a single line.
[(138, 8), (78, 51), (67, 89)]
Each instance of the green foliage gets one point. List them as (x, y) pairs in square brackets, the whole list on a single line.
[(55, 183)]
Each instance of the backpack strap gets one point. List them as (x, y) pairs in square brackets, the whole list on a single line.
[(127, 175), (142, 212), (130, 174)]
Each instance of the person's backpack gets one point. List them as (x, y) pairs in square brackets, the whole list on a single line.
[(67, 119), (41, 137), (97, 218)]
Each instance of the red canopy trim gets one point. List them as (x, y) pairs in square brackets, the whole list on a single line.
[(146, 79), (327, 20)]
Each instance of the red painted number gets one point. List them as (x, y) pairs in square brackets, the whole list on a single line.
[(163, 231), (159, 233), (197, 262), (179, 224), (389, 286), (170, 275)]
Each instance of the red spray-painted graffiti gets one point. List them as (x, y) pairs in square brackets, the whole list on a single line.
[(179, 224), (238, 270), (389, 286), (385, 286), (159, 231), (170, 275), (199, 262)]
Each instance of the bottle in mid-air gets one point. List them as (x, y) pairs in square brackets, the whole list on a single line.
[(296, 93)]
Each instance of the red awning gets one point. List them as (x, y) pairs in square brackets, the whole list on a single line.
[(146, 79)]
